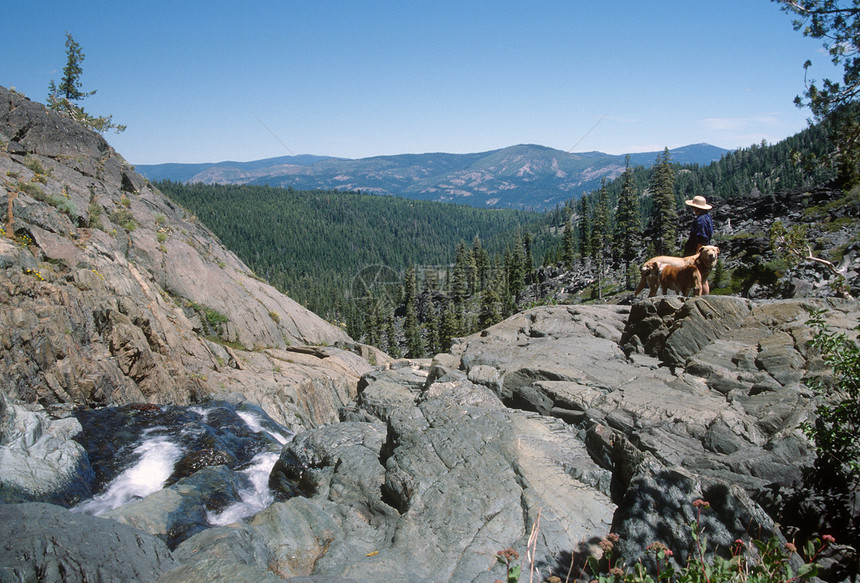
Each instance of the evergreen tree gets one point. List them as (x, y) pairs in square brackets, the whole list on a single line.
[(491, 308), (515, 267), (529, 261), (482, 263), (837, 104), (628, 222), (584, 227), (431, 280), (410, 286), (664, 215), (449, 327), (371, 328), (414, 342), (65, 98), (567, 243), (463, 276), (431, 331), (391, 338), (601, 235)]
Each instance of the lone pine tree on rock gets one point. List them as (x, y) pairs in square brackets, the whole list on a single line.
[(65, 97)]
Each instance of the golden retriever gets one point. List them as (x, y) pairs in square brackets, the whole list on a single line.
[(651, 270), (681, 279)]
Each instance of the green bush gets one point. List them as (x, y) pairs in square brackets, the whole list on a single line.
[(836, 425), (124, 218)]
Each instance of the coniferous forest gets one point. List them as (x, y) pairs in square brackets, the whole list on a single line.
[(408, 276)]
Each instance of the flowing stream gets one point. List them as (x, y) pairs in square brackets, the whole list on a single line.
[(137, 450)]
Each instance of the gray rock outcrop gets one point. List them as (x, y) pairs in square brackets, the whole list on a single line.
[(39, 461), (112, 294), (556, 420), (43, 542)]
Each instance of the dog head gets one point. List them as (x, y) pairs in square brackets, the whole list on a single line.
[(708, 255)]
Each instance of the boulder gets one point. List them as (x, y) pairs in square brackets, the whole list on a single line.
[(43, 542), (39, 461)]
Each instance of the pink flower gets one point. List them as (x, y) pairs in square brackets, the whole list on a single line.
[(790, 547), (699, 503), (827, 538)]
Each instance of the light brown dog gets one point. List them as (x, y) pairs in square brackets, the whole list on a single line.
[(651, 270), (683, 280)]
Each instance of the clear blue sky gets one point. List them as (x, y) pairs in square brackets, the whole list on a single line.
[(211, 81)]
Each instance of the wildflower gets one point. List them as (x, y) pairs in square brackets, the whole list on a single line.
[(827, 538), (617, 571), (656, 547), (612, 537), (605, 545), (668, 553), (701, 504), (739, 543), (508, 555), (790, 547)]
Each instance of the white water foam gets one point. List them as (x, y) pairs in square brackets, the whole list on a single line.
[(254, 425), (254, 498), (158, 455), (257, 496)]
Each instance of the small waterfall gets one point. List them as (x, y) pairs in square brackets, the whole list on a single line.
[(157, 457), (136, 450)]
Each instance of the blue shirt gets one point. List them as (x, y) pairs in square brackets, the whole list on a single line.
[(703, 229)]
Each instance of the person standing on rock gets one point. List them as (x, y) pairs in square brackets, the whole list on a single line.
[(701, 231)]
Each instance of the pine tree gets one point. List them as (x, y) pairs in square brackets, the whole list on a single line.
[(568, 250), (431, 331), (414, 342), (65, 98), (463, 276), (628, 222), (391, 338), (584, 227), (482, 263), (450, 326), (601, 235), (529, 260), (664, 215), (410, 285), (515, 267), (491, 308)]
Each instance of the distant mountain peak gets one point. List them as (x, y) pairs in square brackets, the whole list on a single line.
[(519, 176)]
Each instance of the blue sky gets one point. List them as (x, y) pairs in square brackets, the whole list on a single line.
[(211, 81)]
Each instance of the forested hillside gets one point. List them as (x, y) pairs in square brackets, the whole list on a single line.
[(311, 244), (452, 269)]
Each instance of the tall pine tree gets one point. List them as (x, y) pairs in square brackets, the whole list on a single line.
[(628, 222), (601, 235), (664, 214)]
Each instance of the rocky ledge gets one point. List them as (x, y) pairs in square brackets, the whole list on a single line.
[(568, 422)]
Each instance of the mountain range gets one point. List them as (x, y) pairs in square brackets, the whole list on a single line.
[(525, 176)]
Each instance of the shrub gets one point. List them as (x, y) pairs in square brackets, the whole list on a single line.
[(94, 214), (35, 165), (124, 218), (837, 415)]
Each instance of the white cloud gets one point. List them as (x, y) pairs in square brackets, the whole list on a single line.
[(739, 123)]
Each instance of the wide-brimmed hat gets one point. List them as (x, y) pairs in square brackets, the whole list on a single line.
[(699, 202)]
